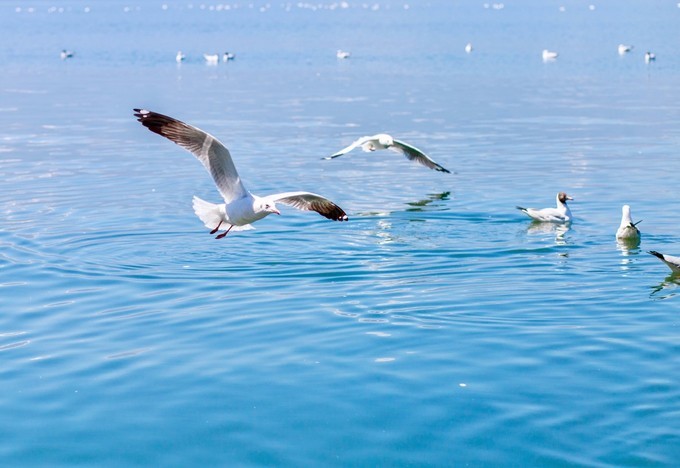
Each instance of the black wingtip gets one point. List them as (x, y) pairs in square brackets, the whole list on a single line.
[(520, 208), (443, 169)]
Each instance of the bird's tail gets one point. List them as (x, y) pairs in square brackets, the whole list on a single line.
[(209, 213), (212, 215)]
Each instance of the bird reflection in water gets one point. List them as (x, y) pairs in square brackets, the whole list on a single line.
[(558, 230), (428, 202), (668, 287)]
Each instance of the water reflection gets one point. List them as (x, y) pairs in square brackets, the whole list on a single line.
[(629, 248), (559, 230), (425, 202), (668, 286)]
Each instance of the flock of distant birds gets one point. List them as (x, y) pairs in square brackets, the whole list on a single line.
[(241, 208), (214, 59)]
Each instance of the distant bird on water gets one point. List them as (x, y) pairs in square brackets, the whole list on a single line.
[(180, 56), (559, 214), (228, 56), (66, 54), (468, 47), (649, 57), (240, 207), (627, 229), (342, 54), (211, 59), (672, 262), (549, 55), (383, 141), (624, 49)]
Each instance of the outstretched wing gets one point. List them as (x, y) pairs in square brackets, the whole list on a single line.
[(414, 154), (346, 150), (672, 262), (208, 149), (308, 201)]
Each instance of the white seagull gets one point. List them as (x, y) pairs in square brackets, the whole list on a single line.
[(628, 229), (549, 55), (383, 141), (65, 54), (624, 49), (468, 47), (672, 262), (180, 56), (240, 207), (228, 56), (342, 54), (560, 214), (211, 59), (649, 57)]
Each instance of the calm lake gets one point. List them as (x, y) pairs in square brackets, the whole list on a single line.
[(438, 327)]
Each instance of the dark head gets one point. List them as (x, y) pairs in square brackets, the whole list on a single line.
[(563, 197)]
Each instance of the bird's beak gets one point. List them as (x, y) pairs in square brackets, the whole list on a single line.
[(277, 212), (569, 198)]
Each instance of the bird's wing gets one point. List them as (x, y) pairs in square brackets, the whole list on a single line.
[(349, 148), (672, 262), (208, 149), (308, 201), (546, 214), (414, 154)]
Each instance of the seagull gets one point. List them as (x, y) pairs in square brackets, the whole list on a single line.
[(624, 49), (549, 55), (342, 54), (628, 229), (228, 56), (180, 56), (468, 47), (211, 59), (649, 57), (560, 214), (65, 54), (384, 141), (240, 207), (672, 262)]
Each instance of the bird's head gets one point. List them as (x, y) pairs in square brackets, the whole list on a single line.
[(563, 197), (267, 206)]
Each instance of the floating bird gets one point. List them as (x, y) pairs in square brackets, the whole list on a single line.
[(624, 49), (468, 47), (383, 141), (628, 229), (560, 214), (649, 57), (228, 56), (342, 54), (65, 54), (549, 55), (241, 208), (180, 56), (211, 59), (672, 262)]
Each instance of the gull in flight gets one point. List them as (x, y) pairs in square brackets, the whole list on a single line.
[(384, 141), (672, 262), (560, 214), (240, 207), (628, 229)]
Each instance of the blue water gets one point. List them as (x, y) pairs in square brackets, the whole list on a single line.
[(437, 327)]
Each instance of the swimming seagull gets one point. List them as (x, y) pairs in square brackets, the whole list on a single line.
[(672, 262), (240, 207), (549, 55), (64, 54), (383, 141), (624, 49), (468, 47), (649, 57), (560, 214), (211, 59), (342, 54), (180, 56), (628, 229), (228, 56)]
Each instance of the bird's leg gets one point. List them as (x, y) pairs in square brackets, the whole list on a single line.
[(224, 233), (215, 230)]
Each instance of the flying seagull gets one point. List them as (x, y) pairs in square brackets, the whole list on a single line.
[(240, 207), (672, 262), (628, 229), (383, 141), (560, 214)]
